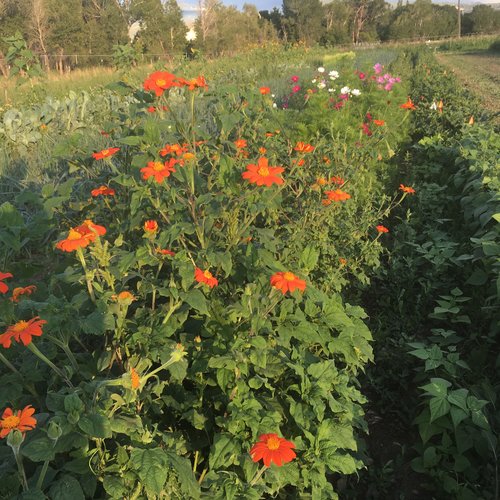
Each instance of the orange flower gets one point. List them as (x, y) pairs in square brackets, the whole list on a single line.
[(337, 180), (471, 120), (302, 147), (287, 282), (105, 153), (22, 331), (151, 109), (326, 160), (408, 105), (379, 123), (272, 448), (406, 189), (440, 106), (163, 251), (173, 149), (262, 151), (194, 83), (382, 229), (269, 134), (299, 163), (151, 226), (188, 156), (21, 421), (321, 181), (91, 230), (159, 81), (102, 191), (262, 174), (74, 240), (136, 381), (124, 296), (342, 261), (205, 277), (159, 170), (240, 143), (17, 292), (3, 287), (264, 90), (337, 195)]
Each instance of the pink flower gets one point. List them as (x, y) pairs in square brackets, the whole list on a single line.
[(362, 76), (344, 97), (388, 87), (295, 79), (380, 79), (377, 68), (296, 89)]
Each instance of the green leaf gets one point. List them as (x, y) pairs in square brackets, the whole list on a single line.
[(66, 488), (438, 387), (438, 406), (309, 258), (342, 463), (197, 300), (224, 451), (95, 425), (39, 450), (131, 140), (150, 466), (457, 415), (10, 216), (114, 487), (459, 398)]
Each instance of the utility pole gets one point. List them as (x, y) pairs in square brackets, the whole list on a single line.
[(459, 19)]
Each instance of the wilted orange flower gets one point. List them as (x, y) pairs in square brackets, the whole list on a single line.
[(151, 109), (17, 292), (21, 421), (337, 195), (3, 287), (105, 153), (159, 170), (303, 147), (299, 163), (269, 134), (342, 261), (159, 81), (264, 90), (102, 191), (151, 226), (406, 189), (188, 156), (287, 282), (272, 448), (240, 143), (124, 296), (379, 122), (205, 277), (471, 120), (262, 150), (337, 180), (326, 160), (22, 331), (194, 83), (262, 174), (408, 105), (321, 181), (382, 229), (164, 251), (134, 376), (440, 106)]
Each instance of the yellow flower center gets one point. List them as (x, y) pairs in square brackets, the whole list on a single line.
[(208, 275), (10, 422), (161, 82), (105, 152), (19, 326), (74, 235), (273, 443), (158, 166), (289, 276), (263, 171)]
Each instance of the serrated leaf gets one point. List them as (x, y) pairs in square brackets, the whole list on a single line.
[(39, 450), (197, 300), (95, 425), (66, 488)]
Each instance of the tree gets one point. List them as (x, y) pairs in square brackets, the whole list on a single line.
[(303, 20), (176, 28), (482, 19), (365, 14), (39, 28)]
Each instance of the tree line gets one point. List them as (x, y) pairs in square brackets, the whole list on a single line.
[(93, 29)]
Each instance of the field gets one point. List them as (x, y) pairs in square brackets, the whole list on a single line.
[(274, 275)]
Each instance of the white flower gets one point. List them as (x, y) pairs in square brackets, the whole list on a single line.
[(275, 105), (314, 81), (321, 85), (272, 95), (321, 69), (345, 90), (355, 92), (331, 90), (433, 105), (333, 75)]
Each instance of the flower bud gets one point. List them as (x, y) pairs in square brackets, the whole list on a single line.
[(54, 430), (15, 439)]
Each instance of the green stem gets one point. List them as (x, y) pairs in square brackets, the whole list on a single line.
[(9, 365), (20, 467), (79, 252), (47, 361), (43, 472), (258, 475), (65, 347)]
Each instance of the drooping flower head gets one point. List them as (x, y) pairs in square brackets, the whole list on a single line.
[(22, 331), (160, 171), (382, 229), (263, 174), (406, 189), (205, 277), (134, 378), (18, 291), (102, 191), (105, 153), (273, 449), (21, 421), (3, 287), (287, 282), (408, 105), (303, 147), (336, 195)]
